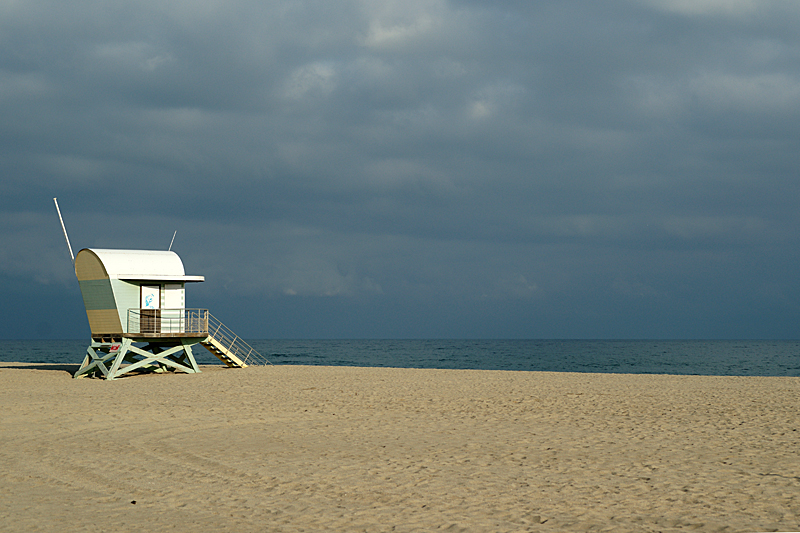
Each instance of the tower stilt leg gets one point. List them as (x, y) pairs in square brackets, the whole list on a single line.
[(112, 360), (98, 354)]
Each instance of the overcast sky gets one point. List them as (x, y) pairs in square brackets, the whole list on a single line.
[(414, 168)]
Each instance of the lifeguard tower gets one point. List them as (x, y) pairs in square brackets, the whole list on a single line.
[(135, 302)]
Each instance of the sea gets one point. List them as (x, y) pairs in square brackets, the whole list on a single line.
[(680, 357)]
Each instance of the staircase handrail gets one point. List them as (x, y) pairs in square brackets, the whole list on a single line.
[(233, 343)]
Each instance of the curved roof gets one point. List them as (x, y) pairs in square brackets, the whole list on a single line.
[(132, 265)]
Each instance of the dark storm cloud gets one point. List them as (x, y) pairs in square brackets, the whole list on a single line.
[(499, 168)]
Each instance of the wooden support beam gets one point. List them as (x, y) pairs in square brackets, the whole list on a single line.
[(97, 355), (173, 354)]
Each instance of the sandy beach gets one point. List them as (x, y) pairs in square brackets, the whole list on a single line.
[(299, 448)]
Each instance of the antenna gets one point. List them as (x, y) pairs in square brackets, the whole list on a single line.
[(173, 240), (65, 231)]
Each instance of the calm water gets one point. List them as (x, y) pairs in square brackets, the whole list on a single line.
[(722, 358)]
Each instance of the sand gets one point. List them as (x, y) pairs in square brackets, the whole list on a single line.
[(299, 448)]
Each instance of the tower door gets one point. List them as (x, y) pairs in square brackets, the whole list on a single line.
[(150, 306), (172, 319)]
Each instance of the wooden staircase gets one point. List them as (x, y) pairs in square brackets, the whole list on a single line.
[(229, 348)]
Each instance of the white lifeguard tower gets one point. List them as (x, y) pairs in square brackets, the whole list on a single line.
[(135, 302)]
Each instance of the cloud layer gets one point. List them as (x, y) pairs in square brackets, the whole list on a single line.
[(418, 168)]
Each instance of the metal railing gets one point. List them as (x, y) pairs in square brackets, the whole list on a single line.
[(168, 322), (191, 323), (233, 343)]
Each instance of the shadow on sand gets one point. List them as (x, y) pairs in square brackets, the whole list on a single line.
[(70, 369)]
